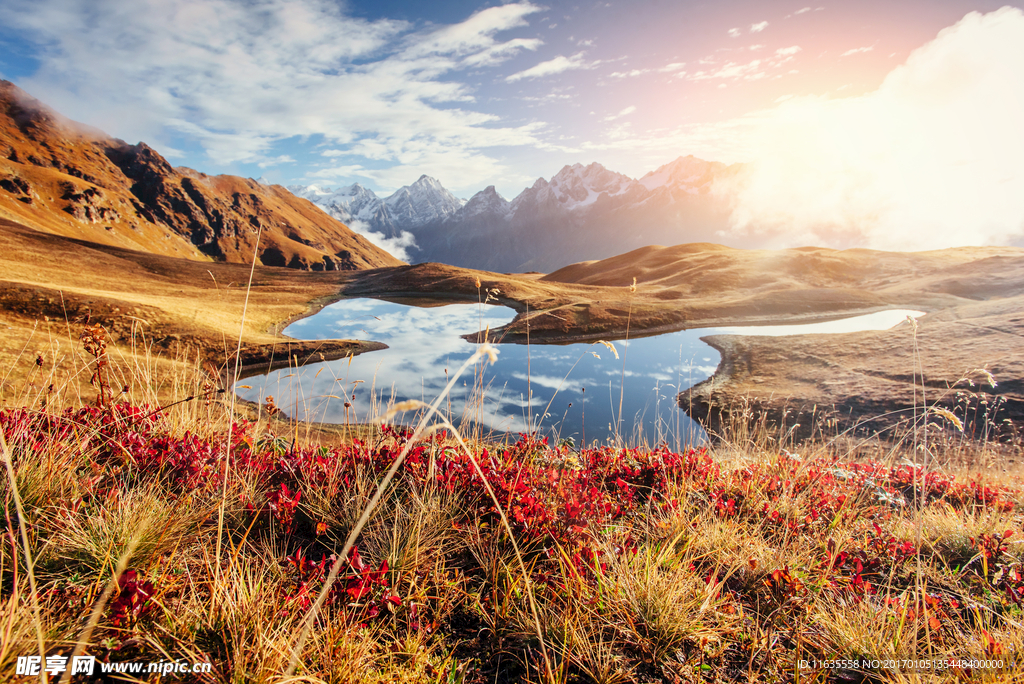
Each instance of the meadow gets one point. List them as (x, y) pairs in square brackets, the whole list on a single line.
[(149, 517)]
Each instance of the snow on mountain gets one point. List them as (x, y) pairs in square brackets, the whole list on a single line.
[(689, 174), (579, 186), (362, 211), (486, 202), (344, 204), (580, 213), (425, 201)]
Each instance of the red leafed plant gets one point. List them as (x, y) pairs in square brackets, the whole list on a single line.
[(132, 601), (360, 591)]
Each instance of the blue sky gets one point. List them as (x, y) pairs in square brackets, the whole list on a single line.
[(478, 94)]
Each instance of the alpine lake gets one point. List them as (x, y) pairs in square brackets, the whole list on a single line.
[(621, 391)]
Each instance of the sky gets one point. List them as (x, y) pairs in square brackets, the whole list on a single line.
[(862, 122)]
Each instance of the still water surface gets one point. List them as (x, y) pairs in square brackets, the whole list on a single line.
[(573, 390)]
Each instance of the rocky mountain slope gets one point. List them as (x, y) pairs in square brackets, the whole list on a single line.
[(581, 213), (61, 177)]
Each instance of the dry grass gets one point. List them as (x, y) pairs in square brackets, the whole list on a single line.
[(702, 590)]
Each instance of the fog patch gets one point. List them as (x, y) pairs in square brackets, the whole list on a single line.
[(395, 246)]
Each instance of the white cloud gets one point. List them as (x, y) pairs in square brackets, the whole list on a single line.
[(674, 66), (801, 11), (733, 70), (473, 39), (396, 246), (753, 70), (625, 112), (629, 74), (854, 51), (241, 76), (549, 97), (496, 54), (344, 171), (276, 161), (735, 33), (557, 65), (930, 159), (757, 28)]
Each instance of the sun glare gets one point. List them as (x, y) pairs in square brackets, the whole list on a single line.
[(930, 159)]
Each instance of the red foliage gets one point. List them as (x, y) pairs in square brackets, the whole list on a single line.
[(362, 592), (132, 599), (553, 498)]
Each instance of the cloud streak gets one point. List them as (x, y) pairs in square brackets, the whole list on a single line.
[(854, 51), (395, 246), (551, 67), (751, 71)]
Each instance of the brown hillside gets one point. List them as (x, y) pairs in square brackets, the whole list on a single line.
[(61, 177), (708, 270), (154, 308)]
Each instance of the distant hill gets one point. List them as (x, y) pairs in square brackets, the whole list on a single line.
[(581, 213), (61, 177)]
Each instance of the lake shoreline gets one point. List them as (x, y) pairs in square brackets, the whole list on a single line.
[(405, 323), (866, 383)]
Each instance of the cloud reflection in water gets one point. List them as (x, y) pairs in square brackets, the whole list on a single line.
[(425, 343)]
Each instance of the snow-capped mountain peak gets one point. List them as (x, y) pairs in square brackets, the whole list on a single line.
[(689, 174), (579, 186), (486, 202), (582, 212), (425, 201)]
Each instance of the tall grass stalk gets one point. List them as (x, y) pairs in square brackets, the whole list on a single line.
[(101, 602), (920, 477), (231, 413), (29, 563), (609, 345), (529, 377), (622, 381), (504, 522)]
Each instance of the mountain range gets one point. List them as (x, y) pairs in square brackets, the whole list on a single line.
[(62, 177), (581, 213), (58, 176)]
